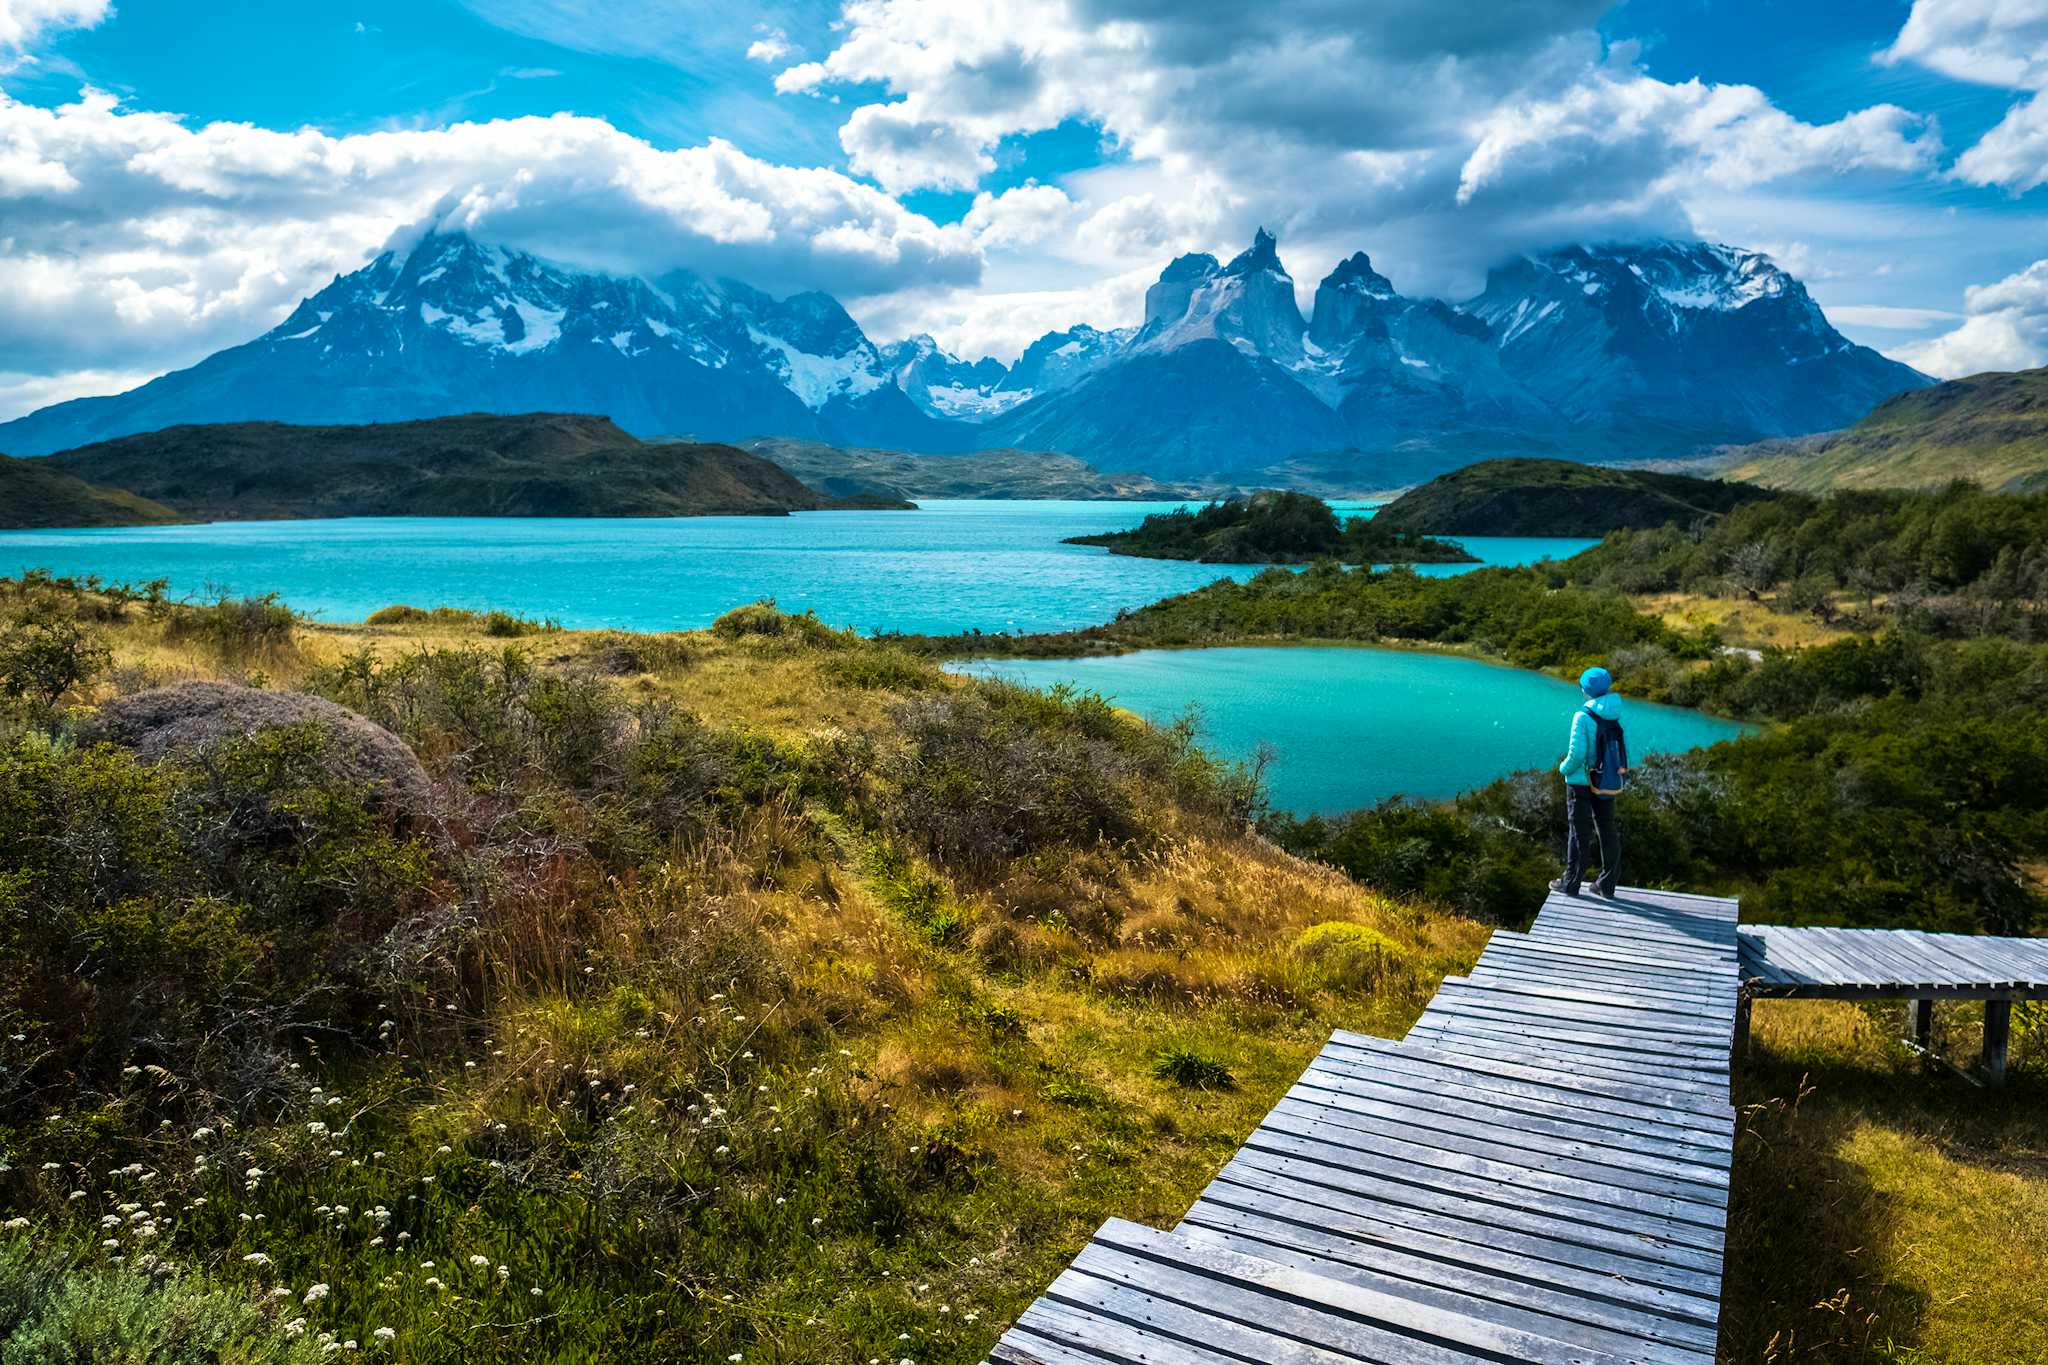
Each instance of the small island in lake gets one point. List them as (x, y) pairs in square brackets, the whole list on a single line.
[(1524, 497), (1273, 528)]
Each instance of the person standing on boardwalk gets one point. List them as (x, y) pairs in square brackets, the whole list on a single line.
[(1594, 769)]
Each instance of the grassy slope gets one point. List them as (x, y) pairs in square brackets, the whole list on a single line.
[(999, 1084), (1990, 429), (1522, 497), (34, 494), (1881, 1214), (535, 464)]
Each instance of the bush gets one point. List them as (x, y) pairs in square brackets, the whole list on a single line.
[(1351, 956), (1191, 1069), (56, 1313), (237, 628), (45, 653), (187, 917), (190, 720), (763, 619)]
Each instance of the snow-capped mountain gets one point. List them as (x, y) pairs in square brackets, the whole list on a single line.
[(1598, 352), (1644, 349), (451, 325), (943, 384), (1682, 343)]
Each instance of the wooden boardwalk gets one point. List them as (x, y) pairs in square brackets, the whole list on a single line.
[(1538, 1172), (1898, 964)]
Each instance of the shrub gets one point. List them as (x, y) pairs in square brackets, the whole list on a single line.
[(45, 653), (191, 719), (1186, 1067), (398, 614), (1351, 956), (237, 628), (53, 1312), (506, 626), (765, 619)]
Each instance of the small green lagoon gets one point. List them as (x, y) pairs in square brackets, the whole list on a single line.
[(1348, 727)]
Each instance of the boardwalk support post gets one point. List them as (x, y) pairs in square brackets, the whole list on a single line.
[(1740, 1051), (1920, 1022), (1997, 1034)]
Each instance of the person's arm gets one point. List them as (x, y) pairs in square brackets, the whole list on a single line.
[(1575, 751)]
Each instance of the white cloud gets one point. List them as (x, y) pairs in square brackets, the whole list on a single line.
[(771, 47), (2002, 43), (1002, 322), (24, 21), (1988, 42), (1888, 319), (1471, 130), (129, 239), (1644, 137), (20, 393), (1019, 217), (2013, 153), (2006, 328)]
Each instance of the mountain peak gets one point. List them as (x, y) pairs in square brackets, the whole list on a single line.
[(1263, 254), (1355, 272)]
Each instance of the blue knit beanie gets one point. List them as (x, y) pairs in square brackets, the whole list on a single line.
[(1594, 682)]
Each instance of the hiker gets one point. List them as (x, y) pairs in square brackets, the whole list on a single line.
[(1595, 767)]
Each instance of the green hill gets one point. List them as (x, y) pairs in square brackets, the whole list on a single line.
[(1991, 429), (32, 494), (1522, 497), (1273, 528), (529, 465)]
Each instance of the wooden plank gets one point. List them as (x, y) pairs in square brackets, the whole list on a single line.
[(1547, 1315), (1296, 1305), (1680, 1026), (1666, 1255), (1604, 1122), (1519, 1085), (1691, 1201), (1629, 1284), (1622, 1165), (1499, 1184), (1643, 1061)]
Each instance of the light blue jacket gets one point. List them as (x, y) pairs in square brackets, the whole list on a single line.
[(1580, 747)]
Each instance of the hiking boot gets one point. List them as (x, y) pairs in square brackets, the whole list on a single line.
[(1557, 884)]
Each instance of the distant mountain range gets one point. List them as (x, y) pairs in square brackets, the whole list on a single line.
[(1628, 351), (1991, 429)]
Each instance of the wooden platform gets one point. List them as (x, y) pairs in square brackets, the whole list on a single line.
[(1538, 1172), (1898, 964)]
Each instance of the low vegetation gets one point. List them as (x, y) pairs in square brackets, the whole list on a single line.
[(755, 991), (765, 991), (1274, 528)]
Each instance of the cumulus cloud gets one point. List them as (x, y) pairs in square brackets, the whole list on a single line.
[(24, 21), (132, 239), (771, 47), (1477, 129), (2005, 327), (1989, 42), (1019, 217)]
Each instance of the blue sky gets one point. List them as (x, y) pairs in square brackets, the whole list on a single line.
[(174, 175)]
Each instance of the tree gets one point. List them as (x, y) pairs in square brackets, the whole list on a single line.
[(45, 652)]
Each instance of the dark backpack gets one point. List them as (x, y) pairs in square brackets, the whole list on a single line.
[(1607, 768)]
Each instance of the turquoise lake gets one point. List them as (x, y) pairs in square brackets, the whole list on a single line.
[(1348, 727), (951, 566)]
